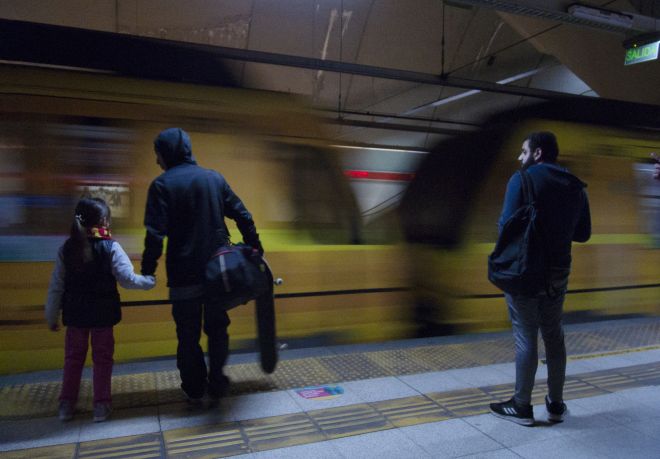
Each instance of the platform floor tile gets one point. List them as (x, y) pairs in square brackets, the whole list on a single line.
[(451, 438)]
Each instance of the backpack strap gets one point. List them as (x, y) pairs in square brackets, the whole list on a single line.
[(527, 187)]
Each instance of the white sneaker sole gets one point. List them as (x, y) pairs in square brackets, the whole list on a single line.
[(556, 417), (527, 422)]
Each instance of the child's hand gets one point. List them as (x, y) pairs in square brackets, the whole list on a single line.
[(152, 279)]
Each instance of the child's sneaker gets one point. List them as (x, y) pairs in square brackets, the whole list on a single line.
[(556, 410), (66, 410), (102, 411), (511, 411)]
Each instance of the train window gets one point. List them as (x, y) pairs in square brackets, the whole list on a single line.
[(48, 163)]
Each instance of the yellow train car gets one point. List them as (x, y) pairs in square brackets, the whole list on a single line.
[(450, 215), (65, 134)]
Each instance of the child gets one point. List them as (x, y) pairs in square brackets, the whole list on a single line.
[(84, 287)]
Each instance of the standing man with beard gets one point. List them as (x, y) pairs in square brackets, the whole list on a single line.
[(188, 205), (563, 217)]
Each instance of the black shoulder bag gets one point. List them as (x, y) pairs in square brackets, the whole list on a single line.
[(517, 264)]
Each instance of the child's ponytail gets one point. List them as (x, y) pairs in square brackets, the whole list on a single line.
[(90, 212)]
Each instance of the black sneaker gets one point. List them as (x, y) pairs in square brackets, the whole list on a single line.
[(556, 410), (195, 403), (216, 391), (511, 411)]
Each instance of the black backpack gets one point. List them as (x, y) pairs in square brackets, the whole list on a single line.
[(517, 265)]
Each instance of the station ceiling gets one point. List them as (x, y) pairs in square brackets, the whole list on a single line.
[(388, 72)]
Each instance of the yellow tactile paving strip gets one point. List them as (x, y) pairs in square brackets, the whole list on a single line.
[(151, 389), (137, 446), (409, 411), (232, 438), (46, 452), (205, 441)]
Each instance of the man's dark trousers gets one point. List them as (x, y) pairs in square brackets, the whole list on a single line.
[(190, 357)]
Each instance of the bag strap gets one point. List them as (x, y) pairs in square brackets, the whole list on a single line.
[(529, 196), (527, 187)]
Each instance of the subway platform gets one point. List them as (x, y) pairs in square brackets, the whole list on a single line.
[(405, 399)]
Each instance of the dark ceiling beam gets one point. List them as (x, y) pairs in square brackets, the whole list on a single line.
[(123, 54), (286, 60), (191, 62)]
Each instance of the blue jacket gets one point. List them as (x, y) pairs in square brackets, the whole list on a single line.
[(188, 205), (563, 209)]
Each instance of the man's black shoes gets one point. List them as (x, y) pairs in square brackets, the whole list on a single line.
[(195, 403), (217, 390), (556, 410), (511, 411)]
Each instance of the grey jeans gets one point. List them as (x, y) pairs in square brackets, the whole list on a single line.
[(529, 314)]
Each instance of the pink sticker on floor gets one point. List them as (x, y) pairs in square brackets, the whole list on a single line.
[(320, 392)]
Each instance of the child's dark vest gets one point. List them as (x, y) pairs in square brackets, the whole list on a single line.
[(90, 296)]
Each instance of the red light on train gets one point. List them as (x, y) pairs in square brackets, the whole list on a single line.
[(375, 175)]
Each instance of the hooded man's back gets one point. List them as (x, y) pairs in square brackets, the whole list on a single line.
[(181, 205)]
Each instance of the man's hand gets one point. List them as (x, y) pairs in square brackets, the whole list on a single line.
[(258, 247), (55, 327)]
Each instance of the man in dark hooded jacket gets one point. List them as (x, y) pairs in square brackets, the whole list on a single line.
[(188, 204), (563, 217)]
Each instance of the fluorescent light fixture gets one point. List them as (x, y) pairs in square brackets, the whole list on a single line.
[(472, 92), (601, 16)]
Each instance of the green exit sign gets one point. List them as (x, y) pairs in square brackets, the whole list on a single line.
[(644, 53)]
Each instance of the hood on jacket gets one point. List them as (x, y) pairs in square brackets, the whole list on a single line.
[(174, 147), (559, 175)]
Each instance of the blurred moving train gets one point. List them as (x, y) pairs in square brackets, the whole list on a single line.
[(65, 134)]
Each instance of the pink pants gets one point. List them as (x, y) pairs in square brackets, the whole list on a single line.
[(75, 352)]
